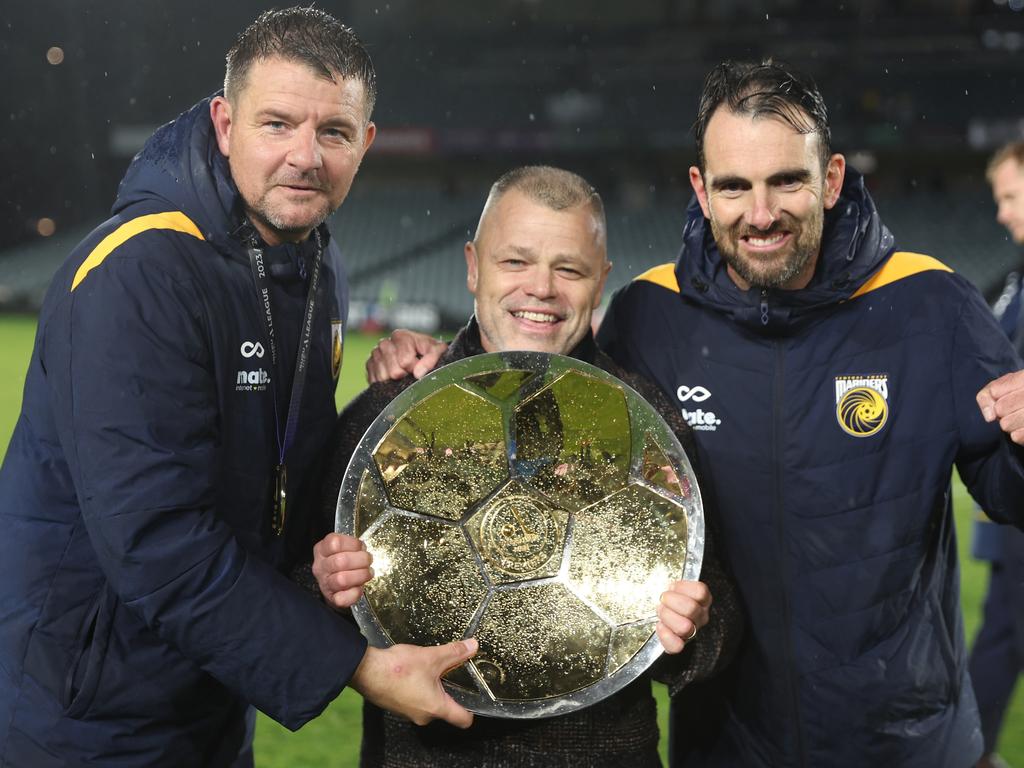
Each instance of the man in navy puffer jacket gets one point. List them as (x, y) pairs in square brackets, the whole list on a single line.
[(182, 383), (835, 382)]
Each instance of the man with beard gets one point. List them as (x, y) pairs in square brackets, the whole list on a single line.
[(835, 381), (183, 361), (536, 268), (843, 378), (997, 657)]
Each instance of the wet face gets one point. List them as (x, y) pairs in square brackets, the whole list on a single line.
[(536, 273), (294, 141), (765, 193), (1008, 192)]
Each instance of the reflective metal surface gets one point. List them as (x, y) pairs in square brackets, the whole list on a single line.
[(536, 503)]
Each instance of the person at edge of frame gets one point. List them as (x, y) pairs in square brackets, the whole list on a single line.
[(845, 379), (997, 656), (536, 268), (179, 393)]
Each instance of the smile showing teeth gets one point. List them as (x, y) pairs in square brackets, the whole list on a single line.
[(537, 317), (760, 242)]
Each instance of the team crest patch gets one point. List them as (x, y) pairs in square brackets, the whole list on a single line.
[(337, 347), (862, 403)]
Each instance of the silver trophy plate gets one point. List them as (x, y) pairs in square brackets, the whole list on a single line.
[(536, 503)]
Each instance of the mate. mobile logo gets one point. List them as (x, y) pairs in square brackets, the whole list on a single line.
[(252, 381), (699, 419)]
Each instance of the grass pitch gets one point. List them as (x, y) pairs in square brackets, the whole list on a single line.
[(332, 740)]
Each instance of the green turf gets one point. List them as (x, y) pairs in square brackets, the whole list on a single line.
[(332, 740), (16, 336)]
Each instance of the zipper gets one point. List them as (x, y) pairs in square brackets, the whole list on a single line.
[(780, 527)]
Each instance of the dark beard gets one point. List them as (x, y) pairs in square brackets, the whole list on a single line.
[(804, 250)]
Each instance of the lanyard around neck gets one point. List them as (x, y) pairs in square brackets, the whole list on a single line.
[(284, 441)]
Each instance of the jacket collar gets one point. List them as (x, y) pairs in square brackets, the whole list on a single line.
[(855, 243), (467, 343)]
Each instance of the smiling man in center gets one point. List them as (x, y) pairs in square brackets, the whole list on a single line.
[(535, 280), (536, 267)]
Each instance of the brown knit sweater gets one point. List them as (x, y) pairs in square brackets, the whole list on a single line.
[(618, 731)]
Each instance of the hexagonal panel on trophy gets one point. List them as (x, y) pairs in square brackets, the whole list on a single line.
[(501, 384), (573, 439), (519, 534), (461, 677), (370, 503), (626, 643), (625, 550), (539, 641), (426, 585), (445, 454), (657, 469)]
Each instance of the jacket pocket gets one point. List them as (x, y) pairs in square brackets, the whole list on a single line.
[(86, 668), (922, 680)]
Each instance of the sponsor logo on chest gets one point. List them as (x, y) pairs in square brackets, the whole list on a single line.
[(862, 403), (249, 378), (700, 419)]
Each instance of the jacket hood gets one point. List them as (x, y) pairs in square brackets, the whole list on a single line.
[(855, 243), (182, 168)]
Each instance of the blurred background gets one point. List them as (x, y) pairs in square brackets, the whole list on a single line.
[(920, 92)]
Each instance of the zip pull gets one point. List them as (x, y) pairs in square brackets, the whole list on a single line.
[(764, 306)]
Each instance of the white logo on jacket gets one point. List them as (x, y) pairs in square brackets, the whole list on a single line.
[(252, 381), (698, 419), (249, 348), (698, 394)]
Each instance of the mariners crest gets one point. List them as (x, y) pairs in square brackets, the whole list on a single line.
[(862, 403)]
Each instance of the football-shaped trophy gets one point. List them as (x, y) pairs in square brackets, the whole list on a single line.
[(536, 503)]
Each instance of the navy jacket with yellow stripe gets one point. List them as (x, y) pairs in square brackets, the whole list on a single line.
[(829, 420), (142, 602)]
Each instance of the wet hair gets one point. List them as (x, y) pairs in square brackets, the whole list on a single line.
[(1012, 151), (306, 36), (554, 188), (767, 89)]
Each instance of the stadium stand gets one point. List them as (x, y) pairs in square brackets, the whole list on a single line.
[(403, 242)]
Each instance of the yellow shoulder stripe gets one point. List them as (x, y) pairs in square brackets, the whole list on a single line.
[(900, 265), (174, 220), (663, 275)]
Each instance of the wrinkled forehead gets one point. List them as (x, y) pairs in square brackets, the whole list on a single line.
[(277, 74)]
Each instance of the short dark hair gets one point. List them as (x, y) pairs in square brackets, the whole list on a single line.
[(768, 89), (307, 36), (1012, 151), (554, 188)]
